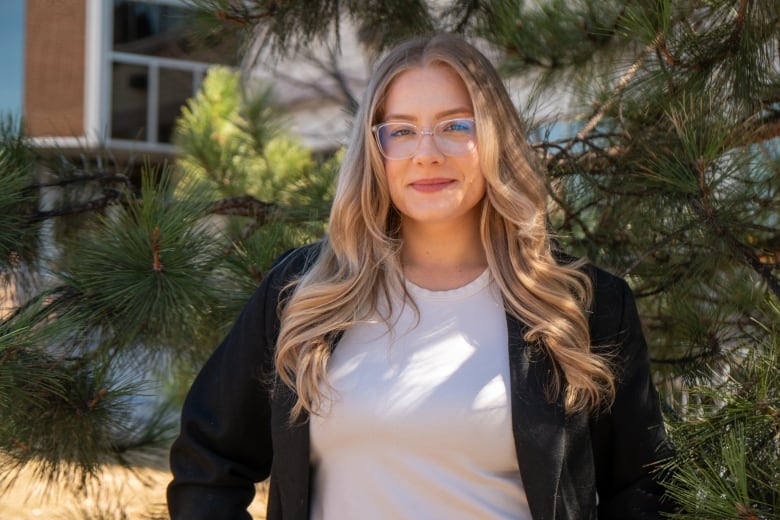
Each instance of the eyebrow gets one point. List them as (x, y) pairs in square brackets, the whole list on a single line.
[(439, 115)]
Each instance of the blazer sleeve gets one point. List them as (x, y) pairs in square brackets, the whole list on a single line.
[(224, 445), (629, 438)]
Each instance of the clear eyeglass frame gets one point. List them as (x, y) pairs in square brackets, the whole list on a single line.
[(404, 146)]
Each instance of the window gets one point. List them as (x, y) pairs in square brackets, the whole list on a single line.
[(154, 68), (149, 29)]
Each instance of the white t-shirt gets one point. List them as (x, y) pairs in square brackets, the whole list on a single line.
[(419, 425)]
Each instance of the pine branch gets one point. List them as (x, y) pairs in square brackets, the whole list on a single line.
[(759, 130), (246, 232), (246, 206), (113, 197), (739, 24), (41, 305), (698, 359), (654, 248), (570, 216), (332, 69), (99, 177), (703, 207), (337, 74), (621, 86), (471, 8), (243, 16), (596, 118)]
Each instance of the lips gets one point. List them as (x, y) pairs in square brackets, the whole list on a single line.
[(431, 185)]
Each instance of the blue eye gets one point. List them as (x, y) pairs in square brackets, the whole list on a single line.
[(457, 129), (458, 126), (400, 132)]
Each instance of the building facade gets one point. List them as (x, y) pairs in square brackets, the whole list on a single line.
[(110, 74)]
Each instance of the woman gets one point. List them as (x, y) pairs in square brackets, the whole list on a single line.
[(433, 357)]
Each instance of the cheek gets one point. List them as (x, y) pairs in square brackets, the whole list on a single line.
[(475, 175), (479, 187), (393, 179)]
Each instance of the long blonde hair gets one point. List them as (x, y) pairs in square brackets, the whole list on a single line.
[(359, 259)]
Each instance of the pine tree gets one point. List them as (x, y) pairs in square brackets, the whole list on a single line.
[(727, 463), (116, 278), (664, 166)]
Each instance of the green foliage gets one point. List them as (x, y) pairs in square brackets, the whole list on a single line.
[(688, 215), (210, 134), (27, 380), (728, 437), (554, 35), (160, 288), (297, 24), (233, 142), (143, 273), (18, 236), (61, 414), (672, 178)]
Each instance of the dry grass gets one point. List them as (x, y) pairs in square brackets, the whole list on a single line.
[(120, 494)]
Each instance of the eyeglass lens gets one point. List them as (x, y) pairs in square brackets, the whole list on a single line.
[(399, 140)]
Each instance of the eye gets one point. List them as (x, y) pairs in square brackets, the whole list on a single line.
[(400, 131), (457, 126)]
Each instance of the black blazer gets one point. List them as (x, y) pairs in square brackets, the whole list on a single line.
[(235, 430)]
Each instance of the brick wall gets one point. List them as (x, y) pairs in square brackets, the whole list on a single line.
[(54, 67)]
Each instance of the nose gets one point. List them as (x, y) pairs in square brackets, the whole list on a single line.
[(427, 149)]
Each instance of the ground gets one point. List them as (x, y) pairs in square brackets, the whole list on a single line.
[(121, 494)]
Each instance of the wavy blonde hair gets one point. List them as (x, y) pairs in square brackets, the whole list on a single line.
[(359, 259)]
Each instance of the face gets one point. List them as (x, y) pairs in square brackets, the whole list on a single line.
[(430, 187)]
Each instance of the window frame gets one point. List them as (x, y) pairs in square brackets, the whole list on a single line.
[(153, 64)]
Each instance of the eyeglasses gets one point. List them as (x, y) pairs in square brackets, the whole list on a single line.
[(400, 140)]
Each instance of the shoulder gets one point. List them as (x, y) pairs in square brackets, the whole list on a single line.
[(261, 313), (606, 286), (613, 306), (292, 264), (286, 268)]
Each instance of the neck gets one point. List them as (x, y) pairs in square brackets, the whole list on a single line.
[(441, 257)]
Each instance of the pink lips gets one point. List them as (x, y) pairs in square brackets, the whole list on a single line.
[(431, 185)]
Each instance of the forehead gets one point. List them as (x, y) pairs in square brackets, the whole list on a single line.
[(427, 90)]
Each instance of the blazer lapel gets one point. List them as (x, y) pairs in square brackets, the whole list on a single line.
[(538, 426), (291, 445)]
